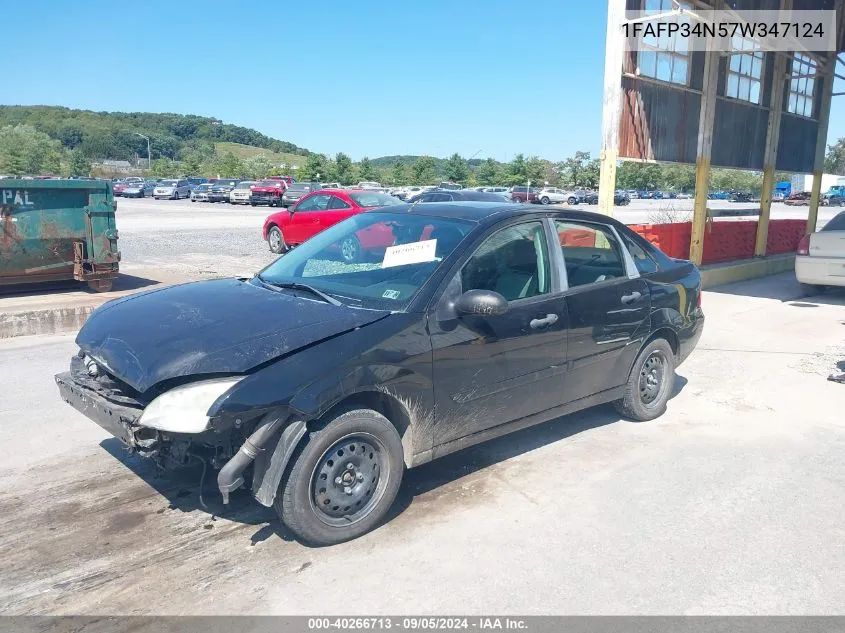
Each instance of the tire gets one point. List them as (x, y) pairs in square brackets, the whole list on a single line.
[(251, 203), (643, 399), (331, 469), (350, 249), (808, 290), (276, 241), (571, 201), (544, 200)]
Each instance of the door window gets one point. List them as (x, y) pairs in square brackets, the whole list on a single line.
[(314, 203), (336, 203), (513, 262), (591, 252), (642, 260)]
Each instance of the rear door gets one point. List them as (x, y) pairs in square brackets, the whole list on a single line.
[(608, 304), (829, 243)]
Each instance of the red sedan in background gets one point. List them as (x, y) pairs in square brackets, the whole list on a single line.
[(318, 211)]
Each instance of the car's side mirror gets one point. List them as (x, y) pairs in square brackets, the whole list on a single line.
[(481, 303)]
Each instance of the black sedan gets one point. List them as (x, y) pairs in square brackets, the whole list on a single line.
[(221, 189), (462, 195), (317, 382), (620, 198)]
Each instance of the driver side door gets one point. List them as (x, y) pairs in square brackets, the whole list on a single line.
[(491, 370), (305, 218)]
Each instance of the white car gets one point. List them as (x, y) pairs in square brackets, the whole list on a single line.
[(241, 193), (550, 195), (368, 185), (820, 260), (410, 191)]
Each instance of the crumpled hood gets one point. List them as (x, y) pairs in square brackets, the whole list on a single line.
[(223, 326)]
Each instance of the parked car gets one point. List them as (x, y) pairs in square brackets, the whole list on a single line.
[(200, 193), (684, 196), (221, 189), (406, 193), (316, 212), (743, 196), (719, 195), (820, 257), (330, 185), (452, 186), (317, 382), (242, 192), (521, 193), (551, 195), (297, 190), (288, 180), (501, 190), (174, 189), (778, 196), (138, 190), (798, 199), (118, 188), (268, 192), (366, 184), (438, 195), (194, 181), (620, 198)]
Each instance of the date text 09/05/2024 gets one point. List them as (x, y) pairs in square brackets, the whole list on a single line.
[(431, 623)]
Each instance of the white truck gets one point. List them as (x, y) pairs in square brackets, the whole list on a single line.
[(804, 182)]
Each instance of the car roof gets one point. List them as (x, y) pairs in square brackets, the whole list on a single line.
[(488, 212)]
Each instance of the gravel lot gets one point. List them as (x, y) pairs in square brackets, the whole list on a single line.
[(199, 239), (731, 503)]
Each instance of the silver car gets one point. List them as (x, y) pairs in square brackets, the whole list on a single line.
[(172, 189), (200, 192)]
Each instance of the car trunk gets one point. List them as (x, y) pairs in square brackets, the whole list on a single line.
[(828, 244)]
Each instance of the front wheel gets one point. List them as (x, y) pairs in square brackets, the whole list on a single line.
[(344, 479), (276, 241), (350, 249), (650, 383), (545, 200)]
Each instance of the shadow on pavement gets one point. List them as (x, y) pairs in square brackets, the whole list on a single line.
[(181, 488), (122, 282)]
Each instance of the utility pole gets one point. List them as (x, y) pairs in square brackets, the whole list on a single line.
[(149, 156)]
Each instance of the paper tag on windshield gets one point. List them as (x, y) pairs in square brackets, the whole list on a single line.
[(413, 253)]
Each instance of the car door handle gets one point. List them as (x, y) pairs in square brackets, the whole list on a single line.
[(631, 298), (540, 323)]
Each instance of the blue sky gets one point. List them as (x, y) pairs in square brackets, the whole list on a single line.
[(490, 77)]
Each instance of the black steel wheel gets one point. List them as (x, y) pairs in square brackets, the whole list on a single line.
[(346, 482), (343, 479), (650, 382), (350, 249)]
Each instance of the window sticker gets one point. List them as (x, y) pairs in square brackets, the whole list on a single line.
[(391, 294), (413, 253)]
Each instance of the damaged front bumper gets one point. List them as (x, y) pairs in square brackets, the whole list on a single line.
[(119, 420)]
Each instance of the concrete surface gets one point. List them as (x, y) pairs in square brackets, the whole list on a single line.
[(731, 272), (731, 503)]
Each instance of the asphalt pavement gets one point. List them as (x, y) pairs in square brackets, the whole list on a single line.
[(731, 503)]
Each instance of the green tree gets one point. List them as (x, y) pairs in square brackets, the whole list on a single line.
[(572, 169), (230, 166), (516, 173), (344, 170), (457, 169), (488, 172), (834, 161), (79, 165), (26, 151), (257, 167), (535, 171), (423, 171), (366, 170), (639, 176), (191, 164), (314, 168), (398, 175), (164, 168)]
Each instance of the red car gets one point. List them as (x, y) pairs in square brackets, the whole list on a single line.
[(267, 192), (321, 209)]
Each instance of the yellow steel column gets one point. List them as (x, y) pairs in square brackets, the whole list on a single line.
[(703, 154), (821, 146), (771, 151), (612, 105)]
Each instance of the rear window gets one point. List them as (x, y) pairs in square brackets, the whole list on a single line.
[(836, 224), (374, 199)]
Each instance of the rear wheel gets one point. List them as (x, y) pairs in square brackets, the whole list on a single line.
[(343, 480), (276, 240), (571, 200), (650, 382)]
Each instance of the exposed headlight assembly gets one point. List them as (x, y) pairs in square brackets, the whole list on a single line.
[(184, 409)]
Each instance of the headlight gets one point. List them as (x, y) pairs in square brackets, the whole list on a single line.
[(185, 409)]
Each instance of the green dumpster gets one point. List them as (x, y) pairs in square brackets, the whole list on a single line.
[(58, 229)]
